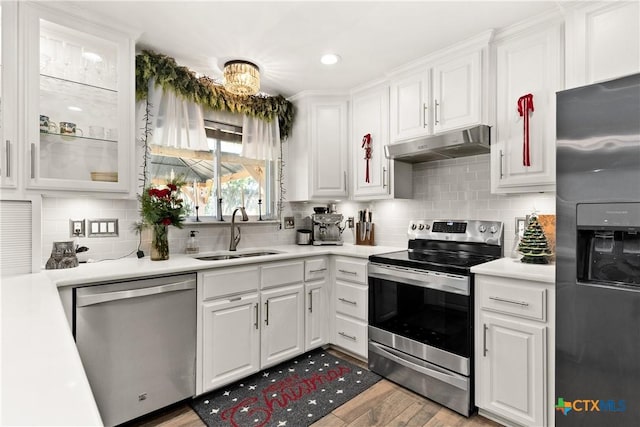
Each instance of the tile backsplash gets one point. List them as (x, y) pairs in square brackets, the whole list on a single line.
[(446, 189)]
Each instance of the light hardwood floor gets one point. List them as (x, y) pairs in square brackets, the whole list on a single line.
[(384, 404)]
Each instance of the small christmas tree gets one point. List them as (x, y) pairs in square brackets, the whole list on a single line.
[(534, 246)]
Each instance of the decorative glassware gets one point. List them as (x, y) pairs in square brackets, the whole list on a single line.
[(160, 242)]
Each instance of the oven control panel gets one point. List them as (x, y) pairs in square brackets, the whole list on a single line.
[(480, 231)]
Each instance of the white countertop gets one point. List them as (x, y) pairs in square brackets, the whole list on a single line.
[(514, 268), (42, 378)]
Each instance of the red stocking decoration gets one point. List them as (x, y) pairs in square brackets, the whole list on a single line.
[(525, 106), (366, 144)]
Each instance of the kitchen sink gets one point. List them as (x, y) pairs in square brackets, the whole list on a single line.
[(219, 257)]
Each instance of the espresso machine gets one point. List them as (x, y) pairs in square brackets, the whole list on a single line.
[(327, 229)]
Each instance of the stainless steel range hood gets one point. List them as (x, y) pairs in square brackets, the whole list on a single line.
[(459, 143)]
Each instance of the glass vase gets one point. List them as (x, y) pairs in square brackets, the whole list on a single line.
[(160, 243)]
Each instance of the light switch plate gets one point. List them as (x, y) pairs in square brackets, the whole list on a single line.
[(103, 227)]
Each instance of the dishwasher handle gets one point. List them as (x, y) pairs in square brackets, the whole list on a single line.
[(87, 300)]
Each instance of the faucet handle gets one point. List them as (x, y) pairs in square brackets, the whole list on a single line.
[(237, 236)]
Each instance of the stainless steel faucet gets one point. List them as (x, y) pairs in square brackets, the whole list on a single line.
[(235, 238)]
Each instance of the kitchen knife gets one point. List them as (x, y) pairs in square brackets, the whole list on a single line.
[(369, 226)]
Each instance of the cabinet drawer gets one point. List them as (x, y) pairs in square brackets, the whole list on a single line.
[(282, 273), (315, 269), (229, 281), (351, 335), (518, 300), (353, 271), (351, 299)]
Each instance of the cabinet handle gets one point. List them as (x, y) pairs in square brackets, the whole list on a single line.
[(510, 301), (501, 160), (345, 181), (8, 160), (348, 272), (437, 105), (484, 341), (384, 177), (347, 301), (266, 315), (318, 270), (310, 301), (33, 160), (424, 115), (256, 322), (351, 337)]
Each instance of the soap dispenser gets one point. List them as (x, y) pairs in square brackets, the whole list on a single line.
[(192, 243)]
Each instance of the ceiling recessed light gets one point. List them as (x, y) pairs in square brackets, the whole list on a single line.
[(91, 56), (329, 59), (74, 108)]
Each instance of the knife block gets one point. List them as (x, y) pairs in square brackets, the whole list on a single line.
[(368, 242)]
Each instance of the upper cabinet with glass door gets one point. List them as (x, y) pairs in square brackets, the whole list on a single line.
[(8, 95), (80, 97)]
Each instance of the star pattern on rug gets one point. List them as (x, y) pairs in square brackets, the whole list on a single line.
[(284, 395)]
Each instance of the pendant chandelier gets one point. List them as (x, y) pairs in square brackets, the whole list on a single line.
[(241, 78)]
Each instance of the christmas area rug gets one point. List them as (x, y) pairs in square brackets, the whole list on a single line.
[(293, 394)]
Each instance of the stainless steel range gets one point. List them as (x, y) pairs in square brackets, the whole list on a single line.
[(421, 308)]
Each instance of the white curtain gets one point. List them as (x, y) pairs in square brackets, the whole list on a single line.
[(260, 139), (175, 121)]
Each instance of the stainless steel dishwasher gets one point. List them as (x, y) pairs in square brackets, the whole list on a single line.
[(137, 342)]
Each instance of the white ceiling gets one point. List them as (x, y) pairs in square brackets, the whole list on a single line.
[(286, 39)]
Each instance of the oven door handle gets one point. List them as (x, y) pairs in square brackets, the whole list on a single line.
[(421, 366), (423, 282)]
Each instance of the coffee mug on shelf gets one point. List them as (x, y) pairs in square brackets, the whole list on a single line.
[(68, 128), (96, 132), (47, 125)]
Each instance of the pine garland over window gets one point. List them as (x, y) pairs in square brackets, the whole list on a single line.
[(204, 91)]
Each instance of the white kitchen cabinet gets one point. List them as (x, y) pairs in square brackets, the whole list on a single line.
[(514, 350), (79, 96), (527, 61), (410, 109), (9, 95), (228, 344), (282, 335), (511, 374), (317, 149), (602, 42), (350, 306), (316, 309), (387, 179), (231, 339), (457, 92), (445, 91)]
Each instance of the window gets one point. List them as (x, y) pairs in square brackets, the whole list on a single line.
[(220, 173)]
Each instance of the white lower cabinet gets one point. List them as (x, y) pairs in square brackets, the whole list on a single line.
[(231, 338), (514, 350), (350, 304), (316, 274), (510, 373), (283, 324)]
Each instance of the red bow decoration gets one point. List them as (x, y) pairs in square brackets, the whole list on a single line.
[(366, 144), (525, 106)]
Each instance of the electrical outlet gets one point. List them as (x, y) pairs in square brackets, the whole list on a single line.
[(77, 228), (289, 222), (350, 222)]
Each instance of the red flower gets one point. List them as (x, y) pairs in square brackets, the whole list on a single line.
[(153, 192), (172, 187), (164, 193), (166, 221)]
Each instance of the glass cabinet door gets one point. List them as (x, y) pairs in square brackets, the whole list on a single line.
[(8, 95), (79, 100)]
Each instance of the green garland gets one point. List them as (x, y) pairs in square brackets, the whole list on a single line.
[(169, 75)]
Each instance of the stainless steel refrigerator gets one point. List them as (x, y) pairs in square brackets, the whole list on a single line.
[(598, 255)]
